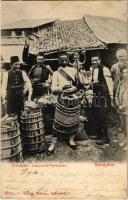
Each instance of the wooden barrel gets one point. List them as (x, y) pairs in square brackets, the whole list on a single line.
[(11, 149), (48, 113), (47, 105), (32, 128)]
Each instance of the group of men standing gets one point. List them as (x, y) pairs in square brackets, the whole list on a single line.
[(17, 85)]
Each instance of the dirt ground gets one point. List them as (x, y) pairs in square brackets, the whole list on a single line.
[(87, 149)]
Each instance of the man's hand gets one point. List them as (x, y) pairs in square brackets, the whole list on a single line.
[(83, 50), (3, 93), (4, 100), (45, 84), (27, 42), (48, 82), (49, 69), (24, 91), (122, 108), (57, 90), (29, 98)]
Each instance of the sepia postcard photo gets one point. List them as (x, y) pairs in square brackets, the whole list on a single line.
[(64, 100)]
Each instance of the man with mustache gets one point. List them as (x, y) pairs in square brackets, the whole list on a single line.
[(121, 55), (39, 75), (15, 85), (102, 87), (65, 76)]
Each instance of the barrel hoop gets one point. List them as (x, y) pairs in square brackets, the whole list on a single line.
[(33, 129), (33, 143), (65, 124), (63, 112), (11, 146), (63, 132), (27, 117), (24, 136), (11, 137), (3, 158), (8, 130), (37, 110), (31, 122), (13, 119), (68, 109)]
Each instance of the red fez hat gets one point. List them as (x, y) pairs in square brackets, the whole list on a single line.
[(95, 53), (14, 59)]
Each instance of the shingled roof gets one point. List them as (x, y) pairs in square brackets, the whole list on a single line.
[(91, 32), (108, 29), (68, 34)]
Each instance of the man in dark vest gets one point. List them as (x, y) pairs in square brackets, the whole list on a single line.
[(39, 75), (102, 87), (15, 84)]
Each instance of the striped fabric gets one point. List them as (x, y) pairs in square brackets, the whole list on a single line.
[(66, 116), (66, 120)]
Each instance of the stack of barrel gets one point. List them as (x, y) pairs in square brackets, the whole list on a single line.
[(11, 149), (32, 129)]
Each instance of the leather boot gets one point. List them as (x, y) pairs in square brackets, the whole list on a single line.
[(52, 146), (72, 143)]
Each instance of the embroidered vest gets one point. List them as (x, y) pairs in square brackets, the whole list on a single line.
[(40, 74), (101, 86), (15, 80)]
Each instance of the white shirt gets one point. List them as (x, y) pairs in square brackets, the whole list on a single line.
[(95, 74), (58, 81)]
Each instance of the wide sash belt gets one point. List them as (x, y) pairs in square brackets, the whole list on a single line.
[(65, 75)]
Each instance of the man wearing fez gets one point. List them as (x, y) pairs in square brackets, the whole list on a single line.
[(65, 75), (15, 84), (39, 75), (102, 87), (61, 78)]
